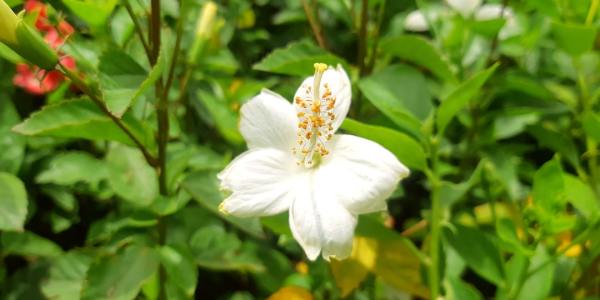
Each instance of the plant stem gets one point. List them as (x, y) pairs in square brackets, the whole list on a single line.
[(315, 25), (94, 97), (436, 216), (362, 36), (162, 112), (138, 28), (376, 36), (592, 12), (494, 46)]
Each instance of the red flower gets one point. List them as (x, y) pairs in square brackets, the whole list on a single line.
[(31, 78)]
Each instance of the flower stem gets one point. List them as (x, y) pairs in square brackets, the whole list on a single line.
[(436, 217), (138, 28), (362, 36)]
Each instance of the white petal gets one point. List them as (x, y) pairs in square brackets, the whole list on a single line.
[(464, 7), (360, 173), (492, 11), (339, 83), (319, 223), (416, 21), (268, 121), (262, 183)]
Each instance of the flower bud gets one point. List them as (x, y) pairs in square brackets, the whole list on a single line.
[(204, 29), (8, 24), (24, 40)]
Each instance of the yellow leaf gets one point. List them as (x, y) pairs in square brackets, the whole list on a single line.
[(291, 293)]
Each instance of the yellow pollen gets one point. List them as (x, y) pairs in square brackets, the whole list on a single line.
[(314, 112)]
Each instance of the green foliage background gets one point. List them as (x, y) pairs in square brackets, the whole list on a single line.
[(501, 135)]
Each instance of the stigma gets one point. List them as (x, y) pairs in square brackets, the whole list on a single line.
[(314, 105)]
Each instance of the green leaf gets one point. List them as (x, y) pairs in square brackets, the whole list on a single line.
[(461, 96), (66, 276), (549, 186), (507, 232), (556, 141), (297, 58), (575, 39), (180, 267), (401, 94), (12, 144), (28, 244), (477, 250), (216, 249), (204, 188), (72, 167), (406, 149), (94, 12), (581, 196), (460, 290), (130, 176), (123, 81), (120, 276), (81, 118), (225, 119), (539, 285), (420, 51), (591, 125), (13, 202)]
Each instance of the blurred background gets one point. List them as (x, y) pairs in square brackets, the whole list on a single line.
[(493, 105)]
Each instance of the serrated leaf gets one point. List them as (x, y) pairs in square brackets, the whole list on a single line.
[(120, 276), (12, 144), (123, 81), (297, 58), (13, 202), (418, 50), (406, 149), (461, 96), (81, 118), (28, 244)]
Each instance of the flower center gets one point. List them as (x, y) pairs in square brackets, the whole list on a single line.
[(315, 120)]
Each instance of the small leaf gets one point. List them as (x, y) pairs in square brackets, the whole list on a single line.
[(94, 12), (297, 58), (575, 39), (130, 175), (66, 276), (591, 125), (180, 267), (418, 50), (120, 276), (13, 202), (72, 167), (477, 250), (549, 186), (12, 144), (460, 290), (581, 196), (29, 244), (123, 81), (406, 149), (461, 96), (82, 119)]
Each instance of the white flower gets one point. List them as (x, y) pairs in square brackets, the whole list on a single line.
[(297, 163), (416, 21), (493, 11), (464, 7)]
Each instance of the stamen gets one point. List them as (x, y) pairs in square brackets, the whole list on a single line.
[(315, 117)]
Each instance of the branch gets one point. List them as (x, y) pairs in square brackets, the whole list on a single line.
[(138, 28), (315, 25)]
